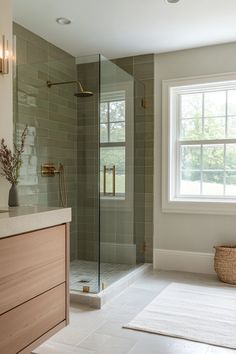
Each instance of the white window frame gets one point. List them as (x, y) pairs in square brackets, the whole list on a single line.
[(171, 202), (127, 201)]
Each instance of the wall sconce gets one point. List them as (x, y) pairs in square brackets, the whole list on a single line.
[(4, 57)]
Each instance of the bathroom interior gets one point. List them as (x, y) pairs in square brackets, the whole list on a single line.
[(100, 144), (125, 221)]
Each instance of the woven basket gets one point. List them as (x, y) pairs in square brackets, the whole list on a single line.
[(225, 263)]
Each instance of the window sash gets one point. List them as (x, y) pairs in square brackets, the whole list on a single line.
[(202, 170), (113, 144), (207, 142), (202, 143), (109, 122), (118, 194), (204, 91)]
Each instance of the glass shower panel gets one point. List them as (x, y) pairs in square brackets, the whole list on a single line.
[(141, 168), (117, 241), (87, 265)]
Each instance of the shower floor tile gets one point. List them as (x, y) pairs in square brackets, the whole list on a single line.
[(85, 273)]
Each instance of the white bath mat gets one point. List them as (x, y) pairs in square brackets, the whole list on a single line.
[(205, 314)]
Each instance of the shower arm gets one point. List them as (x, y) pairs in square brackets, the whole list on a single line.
[(50, 84)]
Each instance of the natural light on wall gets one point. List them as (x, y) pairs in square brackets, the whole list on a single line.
[(4, 56), (199, 128)]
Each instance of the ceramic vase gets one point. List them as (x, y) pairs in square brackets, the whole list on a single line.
[(13, 200)]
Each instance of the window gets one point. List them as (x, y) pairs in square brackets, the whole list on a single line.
[(200, 137), (116, 123), (112, 141)]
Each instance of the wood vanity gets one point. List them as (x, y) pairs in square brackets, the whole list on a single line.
[(34, 284)]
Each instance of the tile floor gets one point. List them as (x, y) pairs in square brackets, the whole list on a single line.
[(85, 273), (100, 331)]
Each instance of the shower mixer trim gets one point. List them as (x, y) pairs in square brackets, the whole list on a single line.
[(50, 170)]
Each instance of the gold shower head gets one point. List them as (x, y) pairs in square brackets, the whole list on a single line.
[(81, 93)]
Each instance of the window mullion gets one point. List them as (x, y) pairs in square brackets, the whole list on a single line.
[(203, 113), (226, 115), (113, 144), (203, 134), (224, 168), (178, 146), (178, 168), (208, 142), (108, 123), (226, 135), (201, 166)]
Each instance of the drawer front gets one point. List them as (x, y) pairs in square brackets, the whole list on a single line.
[(26, 323), (31, 264)]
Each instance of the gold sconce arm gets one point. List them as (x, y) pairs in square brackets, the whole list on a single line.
[(4, 57), (105, 170)]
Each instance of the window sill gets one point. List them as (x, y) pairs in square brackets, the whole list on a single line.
[(194, 206), (112, 198), (109, 203)]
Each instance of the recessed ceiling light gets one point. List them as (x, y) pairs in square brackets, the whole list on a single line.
[(172, 1), (63, 21)]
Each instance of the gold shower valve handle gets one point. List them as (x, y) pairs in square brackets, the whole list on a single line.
[(49, 170)]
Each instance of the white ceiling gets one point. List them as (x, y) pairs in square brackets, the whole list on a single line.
[(118, 28)]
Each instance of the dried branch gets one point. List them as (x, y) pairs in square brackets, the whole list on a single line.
[(11, 162)]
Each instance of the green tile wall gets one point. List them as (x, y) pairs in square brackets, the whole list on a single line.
[(50, 114), (88, 163), (64, 129), (142, 68), (113, 227)]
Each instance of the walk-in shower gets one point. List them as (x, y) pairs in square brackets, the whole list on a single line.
[(100, 142)]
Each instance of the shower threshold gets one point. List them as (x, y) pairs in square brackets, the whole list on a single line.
[(115, 278)]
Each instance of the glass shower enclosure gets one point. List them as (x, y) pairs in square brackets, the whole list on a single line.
[(97, 140), (107, 247)]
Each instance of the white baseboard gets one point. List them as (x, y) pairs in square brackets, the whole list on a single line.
[(194, 262)]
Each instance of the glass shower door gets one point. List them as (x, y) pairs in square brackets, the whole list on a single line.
[(87, 69), (117, 243)]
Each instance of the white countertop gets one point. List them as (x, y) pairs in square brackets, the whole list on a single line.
[(29, 218)]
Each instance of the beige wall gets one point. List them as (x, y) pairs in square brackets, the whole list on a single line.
[(6, 121), (196, 233)]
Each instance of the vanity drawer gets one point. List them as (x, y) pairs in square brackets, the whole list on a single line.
[(31, 264), (26, 323)]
